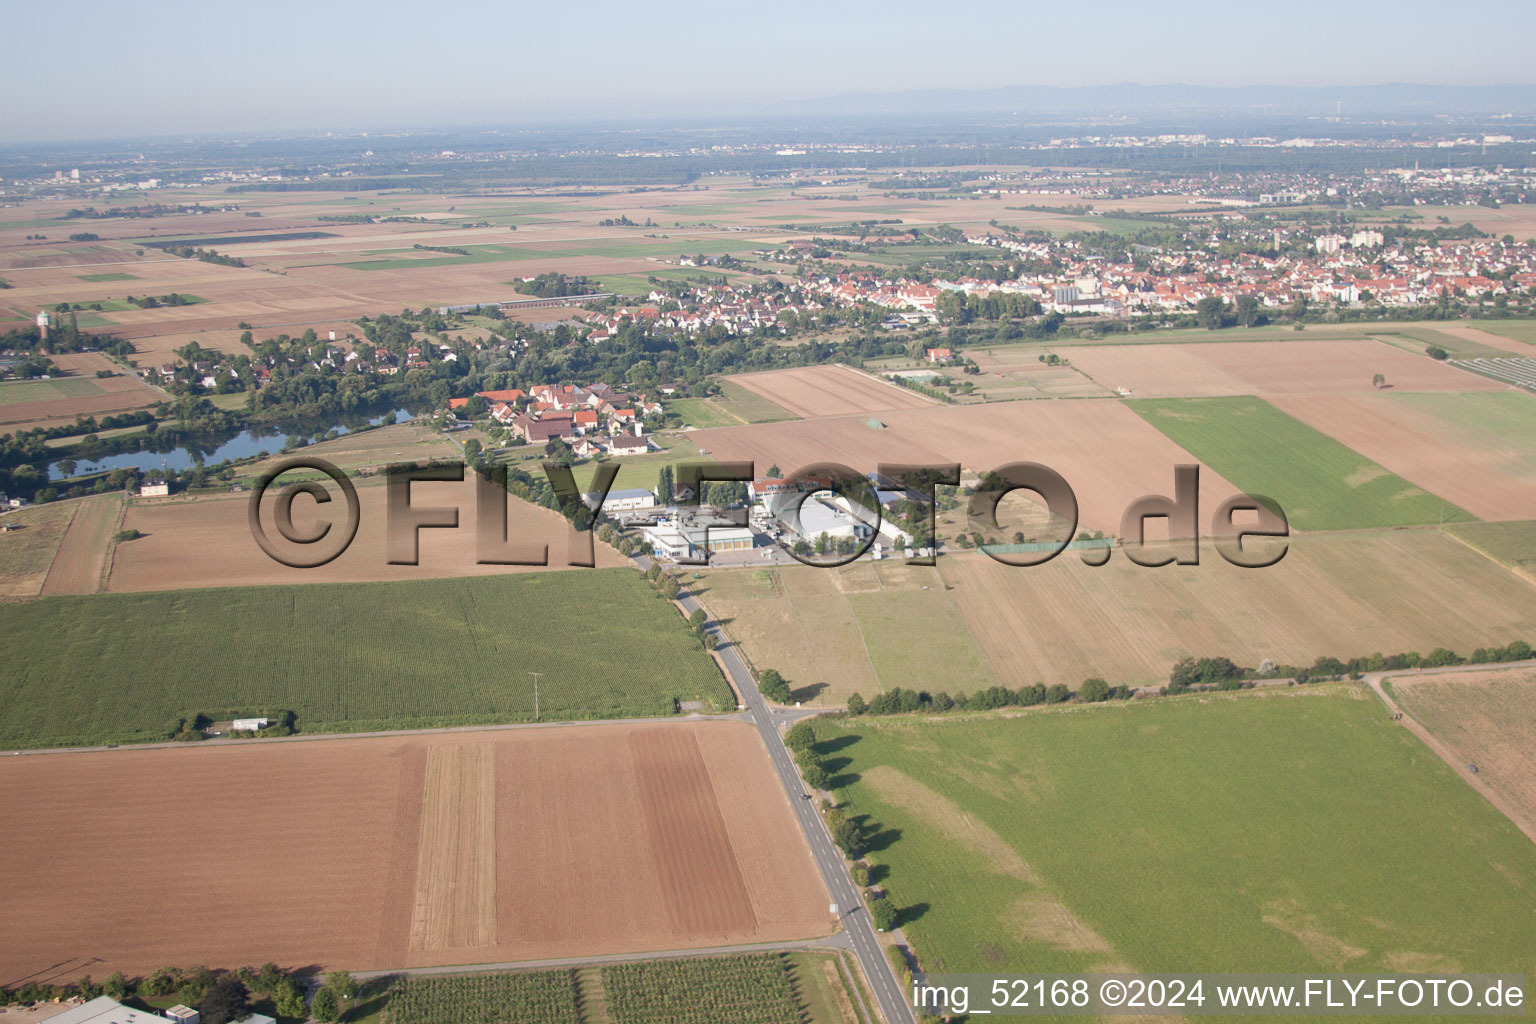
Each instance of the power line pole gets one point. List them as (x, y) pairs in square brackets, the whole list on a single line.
[(536, 677)]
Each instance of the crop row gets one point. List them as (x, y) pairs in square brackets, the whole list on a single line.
[(724, 990), (546, 997)]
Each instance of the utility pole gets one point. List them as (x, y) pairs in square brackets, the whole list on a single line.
[(536, 677)]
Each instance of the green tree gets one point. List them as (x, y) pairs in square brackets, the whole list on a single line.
[(856, 705), (288, 998), (849, 838), (1093, 690), (882, 914), (226, 1000), (115, 986), (1209, 312), (800, 736), (325, 1006)]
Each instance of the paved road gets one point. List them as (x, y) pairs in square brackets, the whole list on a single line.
[(861, 933)]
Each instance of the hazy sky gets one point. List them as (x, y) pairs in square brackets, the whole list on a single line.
[(92, 68)]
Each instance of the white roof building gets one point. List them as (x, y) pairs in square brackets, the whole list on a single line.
[(106, 1010)]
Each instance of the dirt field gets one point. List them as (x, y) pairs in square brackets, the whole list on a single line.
[(1478, 450), (1063, 622), (106, 395), (603, 839), (1306, 367), (81, 562), (1487, 719), (1155, 371), (1108, 454), (1339, 595), (207, 542), (1266, 368), (814, 391)]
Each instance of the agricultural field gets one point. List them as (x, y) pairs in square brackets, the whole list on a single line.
[(834, 632), (815, 391), (1477, 449), (1012, 372), (1285, 365), (600, 840), (860, 628), (798, 987), (26, 553), (1319, 482), (1486, 719), (744, 990), (80, 562), (348, 658), (1523, 331), (534, 997), (1108, 454), (1220, 830), (13, 392), (1512, 543), (207, 541)]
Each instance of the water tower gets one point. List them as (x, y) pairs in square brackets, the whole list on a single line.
[(43, 320)]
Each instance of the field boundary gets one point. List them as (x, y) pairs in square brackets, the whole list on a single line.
[(1442, 750)]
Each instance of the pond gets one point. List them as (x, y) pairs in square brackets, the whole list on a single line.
[(243, 445)]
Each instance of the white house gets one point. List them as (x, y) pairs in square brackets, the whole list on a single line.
[(247, 725)]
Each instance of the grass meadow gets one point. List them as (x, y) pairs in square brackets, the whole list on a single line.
[(1319, 482), (13, 391), (348, 657), (1297, 829)]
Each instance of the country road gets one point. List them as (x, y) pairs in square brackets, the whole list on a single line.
[(855, 917), (1445, 753)]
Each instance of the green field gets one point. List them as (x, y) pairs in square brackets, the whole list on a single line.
[(13, 391), (1518, 330), (1320, 483), (748, 406), (860, 628), (1514, 543), (774, 988), (103, 278), (541, 997), (1294, 829), (348, 657), (702, 412)]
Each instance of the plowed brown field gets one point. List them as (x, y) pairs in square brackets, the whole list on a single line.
[(812, 391), (355, 854)]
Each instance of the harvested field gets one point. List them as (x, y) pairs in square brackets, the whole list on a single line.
[(456, 870), (206, 542), (80, 566), (1478, 449), (1156, 371), (1331, 595), (1305, 367), (1108, 454), (28, 404), (580, 825), (856, 629), (27, 553), (1280, 367), (813, 391), (1010, 372), (1486, 719), (981, 622)]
